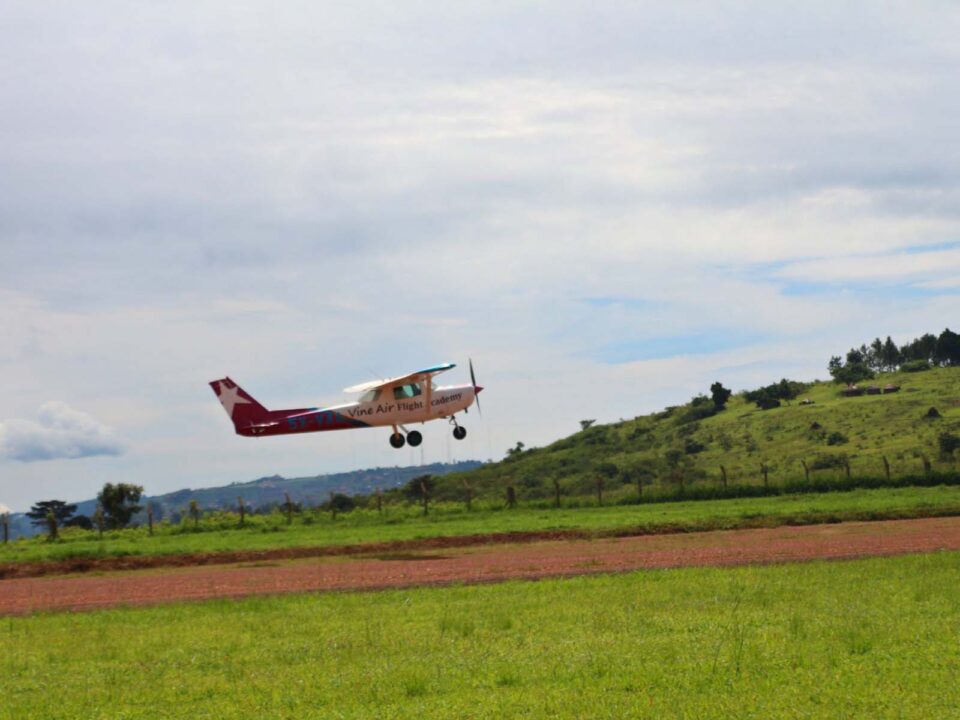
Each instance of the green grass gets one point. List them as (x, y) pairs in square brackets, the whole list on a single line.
[(874, 638), (405, 523)]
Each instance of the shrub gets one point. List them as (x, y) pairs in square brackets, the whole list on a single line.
[(949, 443), (767, 403), (837, 438), (824, 461), (692, 447), (915, 366)]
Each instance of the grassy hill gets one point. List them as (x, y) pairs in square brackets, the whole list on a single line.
[(674, 446)]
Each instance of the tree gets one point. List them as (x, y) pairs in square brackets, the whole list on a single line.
[(947, 350), (514, 451), (119, 503), (61, 512), (856, 357), (890, 355), (80, 521), (875, 355), (835, 365), (584, 424), (415, 487), (195, 513), (720, 395)]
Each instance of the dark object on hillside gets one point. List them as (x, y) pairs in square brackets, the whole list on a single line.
[(815, 425), (933, 413), (851, 391), (873, 390), (890, 389), (949, 443), (807, 401), (767, 403), (837, 438)]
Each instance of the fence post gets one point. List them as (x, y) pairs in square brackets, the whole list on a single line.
[(466, 486), (599, 482), (640, 485), (286, 496), (886, 468), (806, 470), (556, 492), (511, 496), (927, 467), (6, 527), (379, 501), (243, 510), (846, 467), (333, 507), (150, 518), (764, 470), (723, 473), (426, 497)]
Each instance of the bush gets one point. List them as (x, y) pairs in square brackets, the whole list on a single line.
[(767, 403), (836, 438), (949, 443), (915, 366), (823, 461), (692, 447)]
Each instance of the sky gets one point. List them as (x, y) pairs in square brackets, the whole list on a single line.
[(607, 206)]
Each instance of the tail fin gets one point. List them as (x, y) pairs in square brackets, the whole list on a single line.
[(239, 404)]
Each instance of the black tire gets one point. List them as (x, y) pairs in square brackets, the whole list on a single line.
[(459, 432), (397, 440), (414, 438)]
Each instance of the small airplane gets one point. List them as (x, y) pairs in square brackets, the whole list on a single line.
[(394, 402)]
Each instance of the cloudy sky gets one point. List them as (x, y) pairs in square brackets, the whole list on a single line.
[(608, 206)]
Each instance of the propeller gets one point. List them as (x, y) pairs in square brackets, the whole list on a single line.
[(476, 388)]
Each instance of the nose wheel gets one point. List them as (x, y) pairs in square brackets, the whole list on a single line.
[(458, 432)]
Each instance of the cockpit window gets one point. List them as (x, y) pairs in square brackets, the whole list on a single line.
[(370, 396), (402, 392)]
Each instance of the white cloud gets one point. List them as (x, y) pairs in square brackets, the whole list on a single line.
[(59, 432)]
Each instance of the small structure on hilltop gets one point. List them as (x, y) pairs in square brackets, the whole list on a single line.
[(890, 389), (873, 390), (851, 391), (806, 401)]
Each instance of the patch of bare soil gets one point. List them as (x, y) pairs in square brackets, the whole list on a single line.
[(394, 567)]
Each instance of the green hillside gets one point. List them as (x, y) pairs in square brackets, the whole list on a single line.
[(677, 446)]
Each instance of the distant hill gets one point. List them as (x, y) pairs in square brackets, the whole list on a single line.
[(268, 491), (827, 431)]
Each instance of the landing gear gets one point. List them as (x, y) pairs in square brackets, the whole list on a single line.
[(414, 438), (458, 432), (397, 440)]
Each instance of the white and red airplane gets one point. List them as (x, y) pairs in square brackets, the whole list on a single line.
[(395, 402)]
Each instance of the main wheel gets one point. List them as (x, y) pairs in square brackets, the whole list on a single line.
[(414, 438), (397, 441), (459, 432)]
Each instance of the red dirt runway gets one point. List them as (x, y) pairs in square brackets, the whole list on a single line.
[(479, 564)]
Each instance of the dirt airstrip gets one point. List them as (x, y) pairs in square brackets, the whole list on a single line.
[(426, 563)]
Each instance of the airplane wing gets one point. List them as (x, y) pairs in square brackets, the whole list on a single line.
[(419, 375)]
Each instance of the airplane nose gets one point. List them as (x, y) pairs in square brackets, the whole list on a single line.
[(477, 389)]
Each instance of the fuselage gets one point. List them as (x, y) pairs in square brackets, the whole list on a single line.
[(392, 406)]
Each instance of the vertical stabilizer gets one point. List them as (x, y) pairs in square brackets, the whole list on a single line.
[(239, 404)]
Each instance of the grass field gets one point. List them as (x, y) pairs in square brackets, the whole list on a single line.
[(873, 639), (219, 533)]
